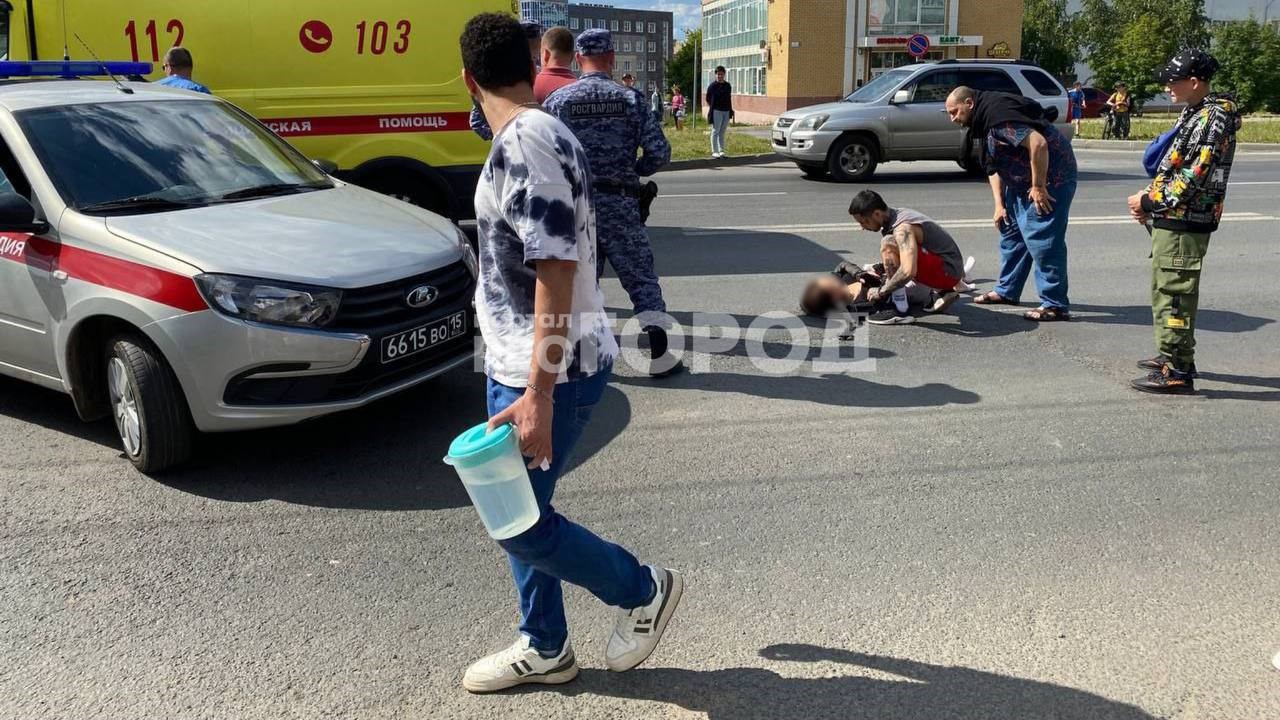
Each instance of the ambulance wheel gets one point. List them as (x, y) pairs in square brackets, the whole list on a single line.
[(410, 187), (147, 405)]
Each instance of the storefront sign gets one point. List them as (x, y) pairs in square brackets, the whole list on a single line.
[(934, 41)]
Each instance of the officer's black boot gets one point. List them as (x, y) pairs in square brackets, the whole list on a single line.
[(660, 363)]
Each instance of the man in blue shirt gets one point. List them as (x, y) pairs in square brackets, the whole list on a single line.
[(178, 65)]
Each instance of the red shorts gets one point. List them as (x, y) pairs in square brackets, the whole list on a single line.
[(931, 272)]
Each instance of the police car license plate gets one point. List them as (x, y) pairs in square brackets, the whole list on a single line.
[(411, 342)]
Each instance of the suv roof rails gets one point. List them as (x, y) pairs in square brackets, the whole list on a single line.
[(991, 61)]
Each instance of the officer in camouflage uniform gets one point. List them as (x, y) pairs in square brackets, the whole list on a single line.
[(1184, 204), (612, 122)]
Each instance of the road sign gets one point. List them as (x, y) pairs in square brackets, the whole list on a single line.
[(918, 45)]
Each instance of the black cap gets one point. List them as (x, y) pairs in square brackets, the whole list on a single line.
[(1188, 63)]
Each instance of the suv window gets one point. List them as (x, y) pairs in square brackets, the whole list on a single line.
[(934, 87), (988, 79), (1043, 84)]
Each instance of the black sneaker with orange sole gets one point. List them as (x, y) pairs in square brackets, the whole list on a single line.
[(1160, 361), (1166, 381)]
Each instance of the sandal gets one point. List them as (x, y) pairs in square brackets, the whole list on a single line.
[(1047, 314), (993, 298)]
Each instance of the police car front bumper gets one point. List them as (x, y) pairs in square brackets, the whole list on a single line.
[(241, 376)]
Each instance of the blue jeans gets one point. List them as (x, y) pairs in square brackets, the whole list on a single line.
[(1039, 241), (556, 549), (719, 126)]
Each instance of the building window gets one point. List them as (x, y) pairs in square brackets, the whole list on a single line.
[(900, 16), (613, 25), (626, 26), (653, 66), (653, 28), (573, 23), (666, 29), (626, 47), (653, 47), (639, 26), (626, 65)]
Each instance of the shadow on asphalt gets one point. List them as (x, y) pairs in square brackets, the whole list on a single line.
[(383, 457), (1271, 395), (53, 411), (1227, 321), (839, 390), (736, 253), (918, 690)]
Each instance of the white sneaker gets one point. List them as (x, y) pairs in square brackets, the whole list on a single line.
[(637, 632), (518, 665), (969, 262)]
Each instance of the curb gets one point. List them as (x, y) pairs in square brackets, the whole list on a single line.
[(707, 163), (1142, 145)]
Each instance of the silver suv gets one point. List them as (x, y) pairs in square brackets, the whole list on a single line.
[(900, 115), (169, 262)]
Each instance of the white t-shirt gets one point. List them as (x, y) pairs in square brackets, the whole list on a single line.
[(533, 202)]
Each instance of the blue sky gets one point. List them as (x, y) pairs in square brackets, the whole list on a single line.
[(686, 13)]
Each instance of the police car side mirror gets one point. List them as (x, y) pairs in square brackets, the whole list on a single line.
[(18, 215), (902, 97), (328, 167)]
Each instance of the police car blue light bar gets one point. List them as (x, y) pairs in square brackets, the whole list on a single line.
[(71, 68)]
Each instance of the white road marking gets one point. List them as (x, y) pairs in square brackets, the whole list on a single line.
[(721, 195), (950, 224), (1233, 183)]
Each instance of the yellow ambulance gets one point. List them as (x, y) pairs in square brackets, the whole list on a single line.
[(371, 85)]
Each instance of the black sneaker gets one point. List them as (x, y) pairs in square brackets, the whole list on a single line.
[(1159, 361), (890, 316), (1166, 381)]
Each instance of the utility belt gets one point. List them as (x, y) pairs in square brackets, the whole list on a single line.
[(643, 193)]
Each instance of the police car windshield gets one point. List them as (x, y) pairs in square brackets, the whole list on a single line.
[(153, 156), (876, 89)]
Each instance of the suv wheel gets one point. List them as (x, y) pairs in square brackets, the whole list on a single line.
[(852, 158), (147, 405)]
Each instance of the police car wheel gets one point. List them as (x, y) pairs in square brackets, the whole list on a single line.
[(852, 159), (147, 405)]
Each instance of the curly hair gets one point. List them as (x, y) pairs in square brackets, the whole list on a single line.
[(495, 51)]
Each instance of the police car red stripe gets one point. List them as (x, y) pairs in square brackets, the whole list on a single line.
[(144, 281), (369, 124)]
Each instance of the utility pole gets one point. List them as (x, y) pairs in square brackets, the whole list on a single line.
[(697, 79)]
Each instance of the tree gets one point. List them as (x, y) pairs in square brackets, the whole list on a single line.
[(680, 71), (1049, 36), (1250, 56), (1129, 40)]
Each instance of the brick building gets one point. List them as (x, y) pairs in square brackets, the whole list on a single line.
[(784, 54)]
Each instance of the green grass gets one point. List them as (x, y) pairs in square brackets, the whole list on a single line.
[(690, 144), (1255, 130)]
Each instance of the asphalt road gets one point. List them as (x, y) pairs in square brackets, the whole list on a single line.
[(986, 524)]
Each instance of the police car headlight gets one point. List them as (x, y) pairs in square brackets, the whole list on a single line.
[(270, 302), (813, 122), (468, 252)]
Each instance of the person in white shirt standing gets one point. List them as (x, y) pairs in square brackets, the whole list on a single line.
[(549, 351)]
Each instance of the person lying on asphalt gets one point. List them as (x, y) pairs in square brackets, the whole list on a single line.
[(913, 248)]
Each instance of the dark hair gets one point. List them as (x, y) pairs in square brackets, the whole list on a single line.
[(628, 76), (178, 58), (867, 202), (495, 51), (559, 41), (814, 300), (720, 69)]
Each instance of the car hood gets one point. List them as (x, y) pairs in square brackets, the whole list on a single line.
[(831, 108), (346, 237)]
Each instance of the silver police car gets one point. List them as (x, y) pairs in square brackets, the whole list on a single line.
[(169, 262)]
